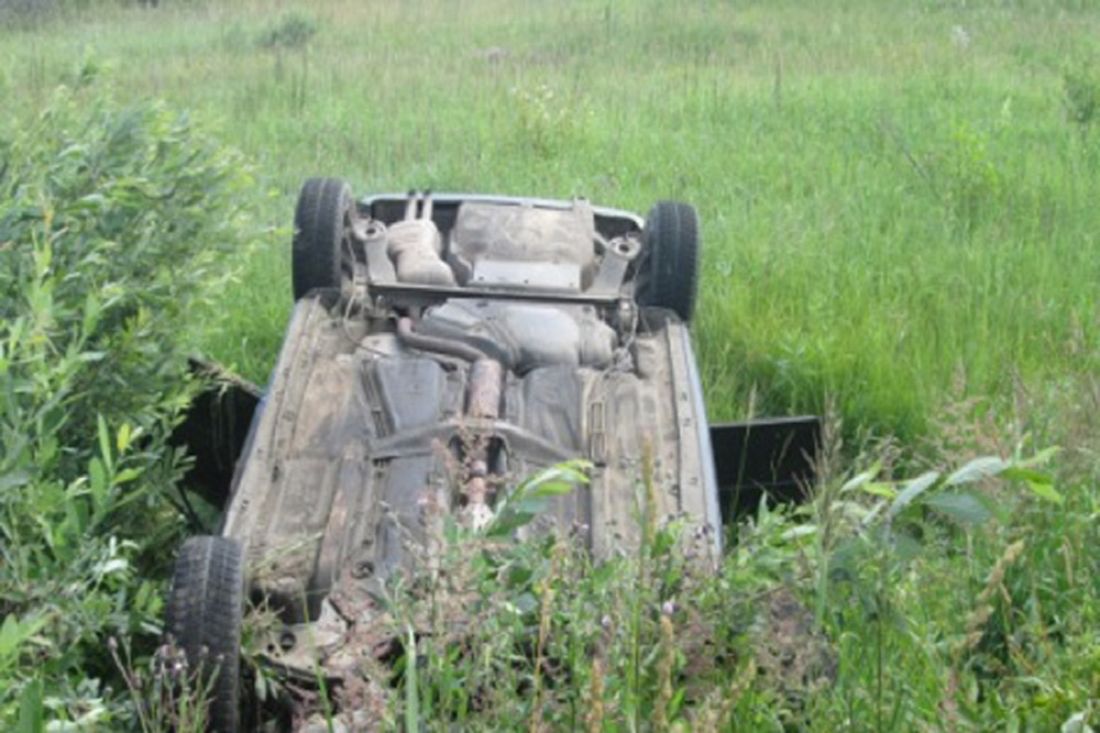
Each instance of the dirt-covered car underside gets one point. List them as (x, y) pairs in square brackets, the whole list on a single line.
[(441, 348)]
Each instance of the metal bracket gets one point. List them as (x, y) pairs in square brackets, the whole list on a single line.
[(617, 256)]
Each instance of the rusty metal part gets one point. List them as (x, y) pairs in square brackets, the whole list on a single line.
[(380, 269), (518, 248), (523, 336), (477, 504), (483, 393), (444, 346), (415, 245), (617, 256), (483, 396)]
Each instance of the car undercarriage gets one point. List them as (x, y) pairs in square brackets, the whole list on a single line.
[(441, 349)]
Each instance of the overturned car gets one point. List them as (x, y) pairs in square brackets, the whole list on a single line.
[(441, 348)]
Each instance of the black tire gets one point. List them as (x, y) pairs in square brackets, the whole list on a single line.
[(204, 613), (669, 270), (321, 226)]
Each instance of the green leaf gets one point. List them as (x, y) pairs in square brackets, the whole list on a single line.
[(962, 506), (880, 488), (14, 632), (529, 498), (1045, 491), (551, 488), (526, 603), (519, 576), (122, 440), (528, 505), (860, 480), (505, 524), (976, 470), (104, 442), (76, 520), (1040, 483), (1022, 473), (91, 201), (798, 532), (557, 480), (31, 718), (906, 546), (663, 541), (127, 474), (13, 480), (97, 482), (911, 492), (1040, 458), (92, 312)]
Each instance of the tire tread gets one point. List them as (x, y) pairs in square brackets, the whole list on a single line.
[(318, 234), (672, 241), (203, 616)]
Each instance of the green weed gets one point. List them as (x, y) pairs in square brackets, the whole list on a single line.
[(911, 210), (894, 219), (511, 628), (292, 30), (1082, 96), (113, 221)]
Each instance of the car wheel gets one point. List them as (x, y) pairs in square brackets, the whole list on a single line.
[(669, 275), (321, 235), (204, 613)]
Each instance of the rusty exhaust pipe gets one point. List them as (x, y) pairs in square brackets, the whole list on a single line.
[(483, 395), (412, 339), (484, 390)]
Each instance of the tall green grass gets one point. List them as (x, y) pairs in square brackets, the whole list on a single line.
[(898, 198), (899, 204)]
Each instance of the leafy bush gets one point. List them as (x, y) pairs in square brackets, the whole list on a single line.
[(1081, 87), (293, 29), (546, 120), (113, 224)]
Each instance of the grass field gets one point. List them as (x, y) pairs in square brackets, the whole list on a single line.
[(897, 201), (901, 213)]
